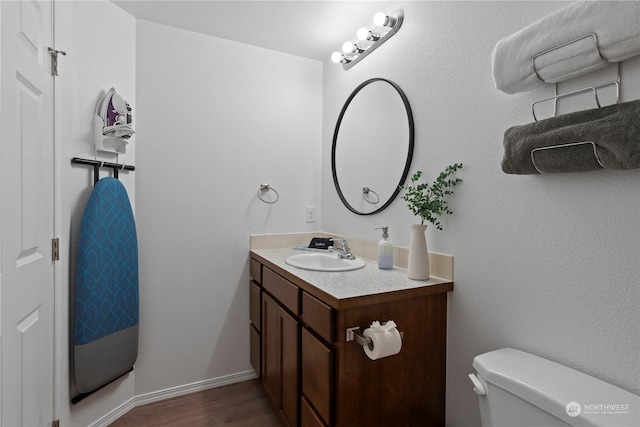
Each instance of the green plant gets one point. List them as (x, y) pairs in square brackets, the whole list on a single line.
[(430, 201)]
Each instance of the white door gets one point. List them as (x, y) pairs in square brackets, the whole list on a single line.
[(26, 213)]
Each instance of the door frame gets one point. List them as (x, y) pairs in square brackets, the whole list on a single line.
[(62, 98)]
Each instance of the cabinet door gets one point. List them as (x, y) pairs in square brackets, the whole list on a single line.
[(316, 374), (270, 368), (280, 366), (289, 370)]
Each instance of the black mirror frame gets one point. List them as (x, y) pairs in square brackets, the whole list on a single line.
[(407, 166)]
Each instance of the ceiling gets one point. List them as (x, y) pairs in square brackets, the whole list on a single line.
[(311, 29)]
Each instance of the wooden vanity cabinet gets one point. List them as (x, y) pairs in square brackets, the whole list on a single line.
[(315, 378)]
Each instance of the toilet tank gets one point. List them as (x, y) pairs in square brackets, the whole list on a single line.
[(519, 389)]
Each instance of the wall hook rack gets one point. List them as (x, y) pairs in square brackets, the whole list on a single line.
[(97, 164)]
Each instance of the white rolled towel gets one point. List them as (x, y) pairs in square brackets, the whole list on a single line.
[(615, 23)]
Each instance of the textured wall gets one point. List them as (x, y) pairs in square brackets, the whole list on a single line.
[(216, 119), (546, 264)]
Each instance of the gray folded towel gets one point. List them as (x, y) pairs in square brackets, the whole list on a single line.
[(607, 137)]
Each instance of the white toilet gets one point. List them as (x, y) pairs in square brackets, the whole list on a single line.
[(519, 389)]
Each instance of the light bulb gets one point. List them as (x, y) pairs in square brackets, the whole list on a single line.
[(347, 47), (380, 19), (363, 34), (366, 35), (336, 57)]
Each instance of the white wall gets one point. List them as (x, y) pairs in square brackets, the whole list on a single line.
[(547, 264), (100, 42), (215, 120)]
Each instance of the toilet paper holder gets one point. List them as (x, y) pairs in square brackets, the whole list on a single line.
[(354, 334)]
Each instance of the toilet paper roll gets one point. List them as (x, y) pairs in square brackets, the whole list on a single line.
[(385, 343)]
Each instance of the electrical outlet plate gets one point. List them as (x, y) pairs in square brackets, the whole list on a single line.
[(311, 214)]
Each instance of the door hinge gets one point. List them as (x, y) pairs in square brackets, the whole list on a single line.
[(55, 423), (54, 60), (55, 249)]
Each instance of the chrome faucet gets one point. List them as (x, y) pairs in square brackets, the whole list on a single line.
[(342, 249)]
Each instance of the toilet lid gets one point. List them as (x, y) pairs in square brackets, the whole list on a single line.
[(575, 398)]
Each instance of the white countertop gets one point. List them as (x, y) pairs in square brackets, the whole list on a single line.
[(368, 280)]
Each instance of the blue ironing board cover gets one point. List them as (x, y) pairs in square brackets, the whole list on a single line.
[(106, 308)]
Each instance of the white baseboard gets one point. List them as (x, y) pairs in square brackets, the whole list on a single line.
[(115, 414), (168, 393), (181, 390)]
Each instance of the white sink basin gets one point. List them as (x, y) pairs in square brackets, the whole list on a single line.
[(324, 262)]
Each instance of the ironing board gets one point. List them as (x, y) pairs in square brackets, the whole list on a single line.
[(105, 311)]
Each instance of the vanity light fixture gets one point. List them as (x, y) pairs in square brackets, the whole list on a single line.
[(385, 27)]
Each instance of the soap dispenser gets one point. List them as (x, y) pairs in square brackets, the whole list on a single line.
[(385, 250)]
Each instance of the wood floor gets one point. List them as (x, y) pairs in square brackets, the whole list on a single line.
[(241, 404)]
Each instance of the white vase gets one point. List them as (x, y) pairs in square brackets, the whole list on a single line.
[(418, 255)]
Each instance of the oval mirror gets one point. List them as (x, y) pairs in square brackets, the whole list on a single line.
[(372, 146)]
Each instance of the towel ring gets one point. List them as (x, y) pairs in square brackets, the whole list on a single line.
[(265, 188), (366, 191)]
